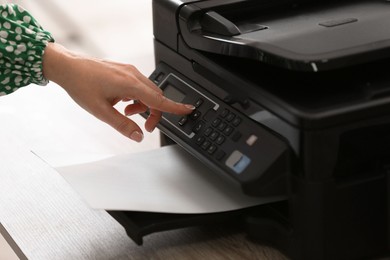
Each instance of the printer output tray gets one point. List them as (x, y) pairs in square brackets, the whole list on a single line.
[(273, 216), (308, 36)]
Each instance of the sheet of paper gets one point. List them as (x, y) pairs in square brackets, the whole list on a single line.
[(166, 180)]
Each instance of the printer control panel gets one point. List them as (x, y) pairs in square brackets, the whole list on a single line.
[(218, 134)]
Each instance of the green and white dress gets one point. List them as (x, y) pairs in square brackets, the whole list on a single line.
[(22, 44)]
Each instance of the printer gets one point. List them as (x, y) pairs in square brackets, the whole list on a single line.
[(292, 99)]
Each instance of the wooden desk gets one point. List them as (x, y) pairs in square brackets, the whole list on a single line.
[(190, 243)]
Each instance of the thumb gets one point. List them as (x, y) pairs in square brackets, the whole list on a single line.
[(122, 124)]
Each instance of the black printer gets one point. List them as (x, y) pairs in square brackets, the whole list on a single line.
[(293, 99)]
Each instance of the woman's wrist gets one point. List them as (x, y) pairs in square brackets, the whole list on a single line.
[(57, 63)]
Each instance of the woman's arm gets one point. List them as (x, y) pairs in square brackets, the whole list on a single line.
[(22, 43), (28, 55), (97, 85)]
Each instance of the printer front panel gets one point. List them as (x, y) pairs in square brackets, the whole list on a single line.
[(224, 138)]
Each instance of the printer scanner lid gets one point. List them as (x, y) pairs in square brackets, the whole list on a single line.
[(303, 35)]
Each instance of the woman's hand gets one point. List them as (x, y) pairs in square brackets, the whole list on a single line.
[(97, 85)]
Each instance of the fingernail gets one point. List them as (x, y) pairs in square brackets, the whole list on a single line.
[(137, 136), (190, 107)]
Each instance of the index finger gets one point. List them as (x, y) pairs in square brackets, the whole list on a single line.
[(156, 100)]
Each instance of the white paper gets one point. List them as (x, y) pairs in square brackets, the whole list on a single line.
[(166, 180)]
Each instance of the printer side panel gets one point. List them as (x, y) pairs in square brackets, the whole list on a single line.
[(340, 196), (165, 14)]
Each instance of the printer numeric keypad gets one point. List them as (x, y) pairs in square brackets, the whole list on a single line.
[(220, 125)]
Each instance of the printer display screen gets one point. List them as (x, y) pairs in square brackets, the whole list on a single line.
[(173, 93)]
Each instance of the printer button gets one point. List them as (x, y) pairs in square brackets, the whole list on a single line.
[(198, 127), (222, 126), (251, 140), (228, 130), (214, 135), (159, 78), (199, 102), (220, 139), (212, 149), (200, 140), (236, 121), (208, 131), (195, 115), (183, 121), (230, 117), (216, 122), (225, 112), (238, 161), (206, 145)]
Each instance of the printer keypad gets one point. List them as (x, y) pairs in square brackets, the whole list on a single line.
[(222, 125), (212, 128)]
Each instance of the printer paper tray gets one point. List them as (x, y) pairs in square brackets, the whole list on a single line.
[(140, 224)]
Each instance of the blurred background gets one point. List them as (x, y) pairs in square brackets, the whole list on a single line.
[(120, 29)]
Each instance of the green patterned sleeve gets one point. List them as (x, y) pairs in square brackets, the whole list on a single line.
[(22, 44)]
